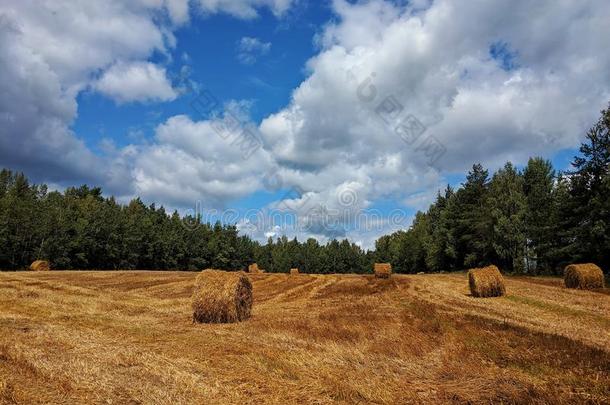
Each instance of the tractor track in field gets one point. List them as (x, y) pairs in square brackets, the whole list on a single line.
[(579, 315)]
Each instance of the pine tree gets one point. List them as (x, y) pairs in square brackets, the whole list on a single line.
[(440, 254), (540, 226), (311, 260), (507, 204), (472, 228), (590, 190)]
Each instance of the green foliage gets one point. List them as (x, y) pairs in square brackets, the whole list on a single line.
[(541, 215), (531, 222), (589, 195), (311, 257), (81, 229), (473, 223), (507, 209)]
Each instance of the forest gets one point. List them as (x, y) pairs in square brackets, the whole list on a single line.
[(532, 220), (82, 229)]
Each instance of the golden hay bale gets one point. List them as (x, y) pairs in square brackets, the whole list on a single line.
[(585, 276), (294, 271), (221, 297), (40, 265), (383, 270), (253, 268), (486, 282)]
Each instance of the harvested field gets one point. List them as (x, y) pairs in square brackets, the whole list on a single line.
[(128, 337)]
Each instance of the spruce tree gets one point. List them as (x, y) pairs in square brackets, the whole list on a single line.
[(590, 190), (472, 230), (540, 216), (507, 208)]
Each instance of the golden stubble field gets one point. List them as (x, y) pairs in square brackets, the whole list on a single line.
[(127, 337)]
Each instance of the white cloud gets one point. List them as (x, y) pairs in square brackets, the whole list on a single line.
[(246, 9), (76, 38), (250, 49), (436, 63), (135, 81), (178, 10), (194, 161), (51, 51), (35, 110), (431, 57)]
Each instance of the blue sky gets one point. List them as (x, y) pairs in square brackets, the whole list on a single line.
[(357, 107), (266, 84), (209, 47)]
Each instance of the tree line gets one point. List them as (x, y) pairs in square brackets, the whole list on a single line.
[(534, 220), (313, 257), (81, 229)]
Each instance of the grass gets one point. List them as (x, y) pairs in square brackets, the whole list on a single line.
[(127, 337)]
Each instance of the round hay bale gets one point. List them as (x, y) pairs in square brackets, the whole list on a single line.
[(585, 276), (221, 297), (486, 282), (40, 265), (294, 271), (383, 270), (253, 268)]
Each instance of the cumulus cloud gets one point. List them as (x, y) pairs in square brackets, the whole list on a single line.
[(199, 161), (246, 9), (49, 54), (52, 51), (178, 10), (401, 95), (250, 49), (135, 81)]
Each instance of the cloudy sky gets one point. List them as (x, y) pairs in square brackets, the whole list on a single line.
[(354, 111)]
